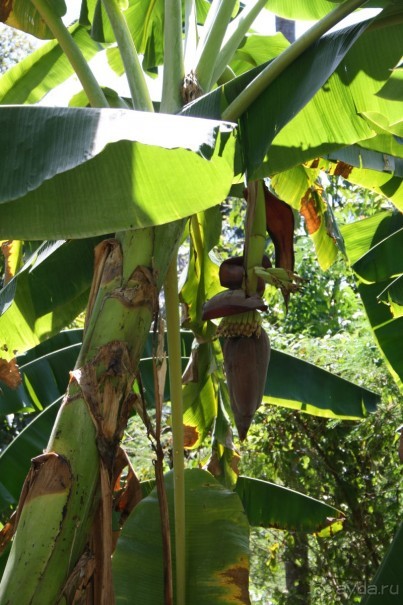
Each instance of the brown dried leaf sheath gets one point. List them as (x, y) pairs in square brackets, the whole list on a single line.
[(280, 227), (7, 532), (343, 169), (310, 213), (9, 373), (6, 6)]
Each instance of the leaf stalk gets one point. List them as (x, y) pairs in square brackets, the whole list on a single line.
[(90, 85), (134, 73), (174, 70), (242, 102), (215, 28), (175, 381)]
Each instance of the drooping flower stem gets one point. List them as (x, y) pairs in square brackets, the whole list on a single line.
[(175, 381)]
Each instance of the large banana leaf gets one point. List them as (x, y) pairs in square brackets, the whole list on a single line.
[(310, 109), (23, 15), (311, 9), (297, 384), (46, 295), (215, 524), (269, 505), (387, 586), (15, 460), (40, 72), (331, 119), (374, 248), (100, 170)]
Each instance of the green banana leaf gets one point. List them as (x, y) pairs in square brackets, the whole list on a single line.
[(94, 170), (46, 295), (316, 131), (215, 523), (311, 9), (256, 49), (386, 588), (23, 15), (299, 186), (41, 71), (269, 505), (43, 381), (374, 249), (63, 340), (297, 384), (382, 260), (300, 92), (361, 236), (15, 460)]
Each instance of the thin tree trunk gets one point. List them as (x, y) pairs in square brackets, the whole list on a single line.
[(297, 571)]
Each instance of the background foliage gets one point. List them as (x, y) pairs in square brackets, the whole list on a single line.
[(348, 464)]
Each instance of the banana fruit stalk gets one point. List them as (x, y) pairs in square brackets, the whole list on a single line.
[(246, 360)]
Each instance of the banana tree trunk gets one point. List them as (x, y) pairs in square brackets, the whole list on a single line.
[(69, 487)]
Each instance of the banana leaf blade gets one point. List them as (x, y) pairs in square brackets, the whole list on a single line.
[(214, 516), (94, 170), (269, 505)]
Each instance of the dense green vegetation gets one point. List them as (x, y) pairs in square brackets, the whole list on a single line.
[(239, 158)]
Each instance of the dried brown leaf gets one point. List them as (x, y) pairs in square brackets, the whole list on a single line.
[(9, 373), (280, 226), (310, 213)]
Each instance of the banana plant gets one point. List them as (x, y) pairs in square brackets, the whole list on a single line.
[(133, 175)]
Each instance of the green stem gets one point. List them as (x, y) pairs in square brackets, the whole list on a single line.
[(280, 63), (91, 87), (235, 33), (175, 381), (215, 27), (134, 73), (255, 233), (191, 37), (174, 70)]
